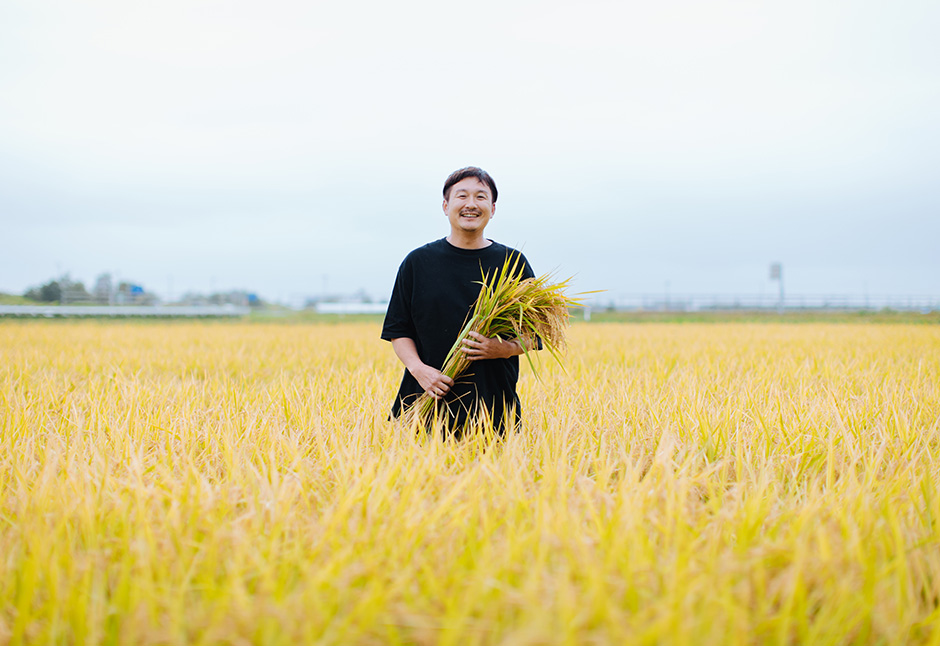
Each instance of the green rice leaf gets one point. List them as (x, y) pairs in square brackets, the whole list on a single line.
[(510, 307)]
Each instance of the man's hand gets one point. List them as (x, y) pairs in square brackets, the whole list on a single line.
[(434, 382), (477, 347)]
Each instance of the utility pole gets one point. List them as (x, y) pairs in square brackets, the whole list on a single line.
[(776, 273)]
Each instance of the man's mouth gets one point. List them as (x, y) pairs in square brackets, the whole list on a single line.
[(466, 214)]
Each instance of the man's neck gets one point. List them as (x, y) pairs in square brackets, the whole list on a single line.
[(463, 241)]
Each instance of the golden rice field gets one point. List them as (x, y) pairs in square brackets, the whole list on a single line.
[(234, 483)]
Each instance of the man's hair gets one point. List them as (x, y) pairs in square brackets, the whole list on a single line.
[(470, 171)]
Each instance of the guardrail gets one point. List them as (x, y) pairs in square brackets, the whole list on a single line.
[(125, 311), (795, 302)]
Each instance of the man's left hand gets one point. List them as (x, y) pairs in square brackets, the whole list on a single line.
[(477, 347)]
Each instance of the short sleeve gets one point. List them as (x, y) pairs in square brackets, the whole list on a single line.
[(527, 271), (398, 320)]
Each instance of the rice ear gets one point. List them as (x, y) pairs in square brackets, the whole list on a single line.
[(508, 306)]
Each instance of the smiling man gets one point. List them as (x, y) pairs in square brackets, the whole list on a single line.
[(435, 289)]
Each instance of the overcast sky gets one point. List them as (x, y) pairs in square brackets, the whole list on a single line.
[(291, 147)]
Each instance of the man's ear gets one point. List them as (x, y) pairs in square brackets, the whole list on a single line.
[(493, 211), (444, 206)]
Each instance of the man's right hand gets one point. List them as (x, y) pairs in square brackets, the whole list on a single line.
[(434, 382)]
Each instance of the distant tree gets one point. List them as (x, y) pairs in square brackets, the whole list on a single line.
[(73, 291), (59, 290), (51, 292)]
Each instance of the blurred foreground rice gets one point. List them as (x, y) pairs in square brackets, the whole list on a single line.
[(699, 483)]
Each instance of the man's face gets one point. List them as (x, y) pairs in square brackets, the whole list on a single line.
[(470, 206)]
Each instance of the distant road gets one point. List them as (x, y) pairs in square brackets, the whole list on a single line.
[(53, 311)]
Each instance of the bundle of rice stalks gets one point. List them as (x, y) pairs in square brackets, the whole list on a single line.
[(530, 310)]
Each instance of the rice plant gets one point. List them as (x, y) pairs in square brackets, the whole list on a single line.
[(531, 310), (223, 483)]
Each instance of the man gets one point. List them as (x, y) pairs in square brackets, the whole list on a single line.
[(435, 289)]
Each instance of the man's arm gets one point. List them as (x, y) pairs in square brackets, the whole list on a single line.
[(476, 347), (434, 382)]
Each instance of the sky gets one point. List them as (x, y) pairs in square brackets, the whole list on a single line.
[(297, 148)]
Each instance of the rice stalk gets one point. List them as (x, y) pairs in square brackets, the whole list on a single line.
[(531, 310), (240, 483)]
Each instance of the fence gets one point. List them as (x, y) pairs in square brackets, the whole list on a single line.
[(55, 311), (707, 302)]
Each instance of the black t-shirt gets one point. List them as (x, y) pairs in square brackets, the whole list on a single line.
[(435, 289)]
